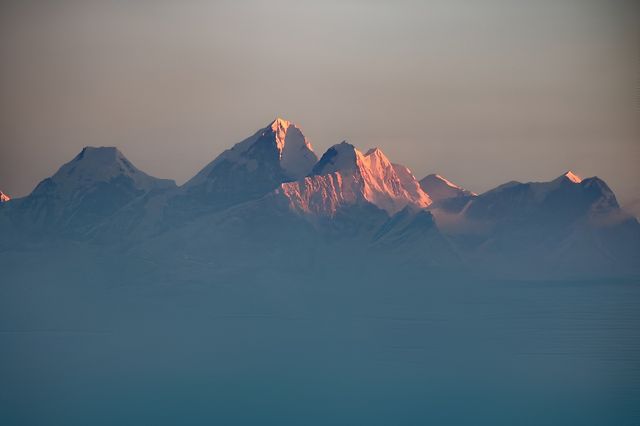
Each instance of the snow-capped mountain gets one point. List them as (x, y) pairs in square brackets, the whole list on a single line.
[(247, 171), (270, 194), (440, 188), (566, 221), (346, 202), (275, 154), (95, 165), (565, 198), (92, 186), (344, 176), (4, 197)]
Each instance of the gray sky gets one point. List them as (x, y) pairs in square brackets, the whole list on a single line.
[(480, 92)]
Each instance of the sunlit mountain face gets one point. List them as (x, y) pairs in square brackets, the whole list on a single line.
[(250, 169), (276, 278), (271, 193)]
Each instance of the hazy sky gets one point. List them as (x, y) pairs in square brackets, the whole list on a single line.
[(480, 92)]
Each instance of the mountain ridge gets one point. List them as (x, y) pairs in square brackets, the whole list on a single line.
[(344, 175), (274, 154), (273, 184)]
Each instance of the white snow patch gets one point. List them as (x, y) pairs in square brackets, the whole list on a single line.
[(440, 188)]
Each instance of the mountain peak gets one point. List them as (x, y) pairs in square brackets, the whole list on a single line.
[(345, 176), (295, 151), (255, 166), (280, 127), (99, 154), (440, 188), (100, 150), (340, 157), (375, 161), (86, 190), (572, 177), (345, 157), (445, 181), (279, 122), (375, 151), (100, 164)]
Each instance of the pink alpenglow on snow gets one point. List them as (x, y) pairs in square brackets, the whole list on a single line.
[(573, 177), (345, 176)]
